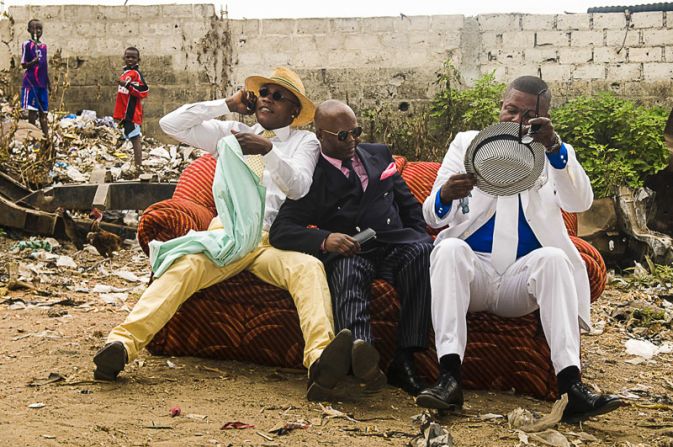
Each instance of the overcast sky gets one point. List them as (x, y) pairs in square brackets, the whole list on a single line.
[(364, 8)]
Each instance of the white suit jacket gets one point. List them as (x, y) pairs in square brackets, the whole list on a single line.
[(568, 189)]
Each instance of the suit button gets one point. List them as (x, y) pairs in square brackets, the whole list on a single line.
[(338, 207), (388, 221), (357, 229)]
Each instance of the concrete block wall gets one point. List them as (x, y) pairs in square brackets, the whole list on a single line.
[(178, 46), (190, 54), (584, 53)]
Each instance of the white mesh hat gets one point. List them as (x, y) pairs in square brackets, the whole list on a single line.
[(504, 166)]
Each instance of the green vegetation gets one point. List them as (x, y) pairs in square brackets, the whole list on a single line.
[(425, 131), (617, 141)]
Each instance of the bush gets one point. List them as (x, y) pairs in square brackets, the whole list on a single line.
[(457, 109), (424, 132), (617, 141)]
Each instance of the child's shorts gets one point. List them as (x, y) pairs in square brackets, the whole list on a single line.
[(131, 129), (35, 98)]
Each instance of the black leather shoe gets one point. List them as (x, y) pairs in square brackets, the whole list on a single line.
[(402, 374), (332, 366), (584, 403), (365, 361), (446, 394), (110, 361)]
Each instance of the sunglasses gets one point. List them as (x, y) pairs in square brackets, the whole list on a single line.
[(276, 96), (343, 134), (535, 128)]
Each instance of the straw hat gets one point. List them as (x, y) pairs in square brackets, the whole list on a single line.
[(290, 80), (504, 166)]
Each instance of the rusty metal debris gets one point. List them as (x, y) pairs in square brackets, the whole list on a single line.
[(82, 164)]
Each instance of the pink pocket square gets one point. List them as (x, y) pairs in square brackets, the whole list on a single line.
[(390, 170)]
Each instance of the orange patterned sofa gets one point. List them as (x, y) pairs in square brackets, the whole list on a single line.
[(248, 320)]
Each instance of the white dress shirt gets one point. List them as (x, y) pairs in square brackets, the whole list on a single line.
[(288, 166)]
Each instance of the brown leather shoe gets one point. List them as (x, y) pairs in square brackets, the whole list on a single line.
[(332, 367), (365, 364), (110, 361)]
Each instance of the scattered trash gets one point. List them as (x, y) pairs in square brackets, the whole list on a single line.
[(646, 349), (34, 244), (170, 364), (175, 411), (525, 421), (236, 425), (155, 426), (116, 299), (52, 378), (330, 413), (37, 405), (283, 429), (432, 434), (130, 276), (66, 261), (49, 436), (490, 416), (546, 437), (196, 417)]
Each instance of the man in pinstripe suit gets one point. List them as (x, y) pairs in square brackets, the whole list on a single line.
[(355, 187)]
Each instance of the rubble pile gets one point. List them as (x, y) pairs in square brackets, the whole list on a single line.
[(77, 145)]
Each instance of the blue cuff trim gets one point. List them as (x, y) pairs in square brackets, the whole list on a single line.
[(559, 159), (441, 209)]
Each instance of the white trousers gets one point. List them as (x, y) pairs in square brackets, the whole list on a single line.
[(463, 281)]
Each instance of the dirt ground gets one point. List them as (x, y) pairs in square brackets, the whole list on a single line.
[(40, 338)]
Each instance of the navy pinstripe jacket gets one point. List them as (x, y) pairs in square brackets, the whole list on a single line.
[(387, 206)]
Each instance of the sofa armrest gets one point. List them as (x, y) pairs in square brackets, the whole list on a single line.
[(598, 273), (172, 218)]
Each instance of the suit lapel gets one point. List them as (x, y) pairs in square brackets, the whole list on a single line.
[(373, 173)]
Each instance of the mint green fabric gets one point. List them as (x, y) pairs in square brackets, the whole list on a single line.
[(239, 199)]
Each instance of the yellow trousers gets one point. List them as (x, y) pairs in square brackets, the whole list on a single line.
[(300, 274)]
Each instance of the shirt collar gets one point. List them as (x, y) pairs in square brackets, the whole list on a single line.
[(335, 161), (282, 134)]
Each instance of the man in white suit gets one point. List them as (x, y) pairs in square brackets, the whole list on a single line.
[(511, 269)]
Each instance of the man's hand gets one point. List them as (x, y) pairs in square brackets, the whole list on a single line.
[(457, 187), (342, 244), (252, 144), (545, 134), (242, 102), (123, 82)]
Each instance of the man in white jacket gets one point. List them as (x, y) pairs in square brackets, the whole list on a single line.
[(537, 265)]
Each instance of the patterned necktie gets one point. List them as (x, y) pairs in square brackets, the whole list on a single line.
[(256, 162)]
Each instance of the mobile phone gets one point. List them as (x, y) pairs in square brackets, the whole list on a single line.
[(250, 101)]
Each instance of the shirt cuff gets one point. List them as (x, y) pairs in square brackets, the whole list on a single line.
[(322, 246), (558, 159), (441, 209), (214, 108)]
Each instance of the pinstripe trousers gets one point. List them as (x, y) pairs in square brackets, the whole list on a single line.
[(406, 267)]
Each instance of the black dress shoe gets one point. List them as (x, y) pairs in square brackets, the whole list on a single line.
[(402, 374), (110, 361), (584, 403), (332, 366), (446, 394)]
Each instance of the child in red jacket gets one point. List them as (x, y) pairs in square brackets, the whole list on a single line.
[(131, 90)]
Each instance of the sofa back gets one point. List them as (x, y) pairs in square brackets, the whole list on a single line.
[(196, 182)]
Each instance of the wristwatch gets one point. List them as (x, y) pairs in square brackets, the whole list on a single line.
[(556, 145)]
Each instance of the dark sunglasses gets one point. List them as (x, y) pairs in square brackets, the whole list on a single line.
[(526, 115), (276, 96), (343, 134)]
